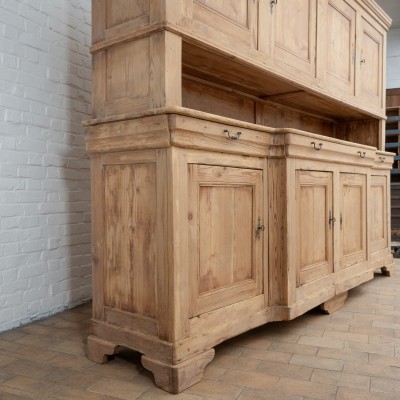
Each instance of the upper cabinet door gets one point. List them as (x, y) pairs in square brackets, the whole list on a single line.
[(370, 61), (287, 34), (336, 47), (225, 21)]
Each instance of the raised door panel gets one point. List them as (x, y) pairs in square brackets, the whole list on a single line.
[(225, 247), (112, 18), (378, 204), (314, 230), (287, 33), (370, 65), (130, 246), (337, 46), (353, 219), (236, 20)]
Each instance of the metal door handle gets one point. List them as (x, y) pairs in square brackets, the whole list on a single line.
[(319, 147), (234, 136), (332, 219)]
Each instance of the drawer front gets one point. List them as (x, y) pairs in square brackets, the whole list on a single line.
[(200, 134), (316, 148)]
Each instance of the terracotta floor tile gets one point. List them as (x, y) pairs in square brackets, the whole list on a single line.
[(347, 336), (314, 390), (372, 370), (385, 385), (341, 379), (215, 390), (255, 394), (345, 355), (240, 363), (214, 373), (278, 356), (29, 387), (118, 389), (285, 370), (255, 380), (321, 342), (387, 361), (317, 362), (370, 348), (293, 348), (357, 394), (158, 394)]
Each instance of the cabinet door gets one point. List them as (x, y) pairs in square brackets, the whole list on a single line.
[(287, 33), (314, 232), (225, 208), (336, 46), (236, 20), (370, 65), (353, 219), (378, 205)]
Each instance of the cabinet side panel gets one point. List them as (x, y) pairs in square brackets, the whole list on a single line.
[(120, 11), (378, 213), (128, 78), (130, 241), (277, 200)]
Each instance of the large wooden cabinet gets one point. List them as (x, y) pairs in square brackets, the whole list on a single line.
[(238, 176)]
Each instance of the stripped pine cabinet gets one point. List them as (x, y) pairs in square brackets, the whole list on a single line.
[(238, 176)]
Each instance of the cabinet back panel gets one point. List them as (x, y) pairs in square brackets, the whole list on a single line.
[(277, 116), (130, 238), (217, 101)]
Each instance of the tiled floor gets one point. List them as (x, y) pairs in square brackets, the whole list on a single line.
[(351, 355)]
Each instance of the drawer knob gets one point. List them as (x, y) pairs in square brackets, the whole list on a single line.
[(362, 154), (233, 136), (317, 147)]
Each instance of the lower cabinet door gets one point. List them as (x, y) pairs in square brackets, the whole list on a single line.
[(314, 225), (226, 235), (353, 219)]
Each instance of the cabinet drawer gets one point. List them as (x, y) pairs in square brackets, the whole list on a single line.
[(383, 160), (194, 133), (316, 147)]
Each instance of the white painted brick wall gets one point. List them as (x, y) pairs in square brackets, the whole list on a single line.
[(393, 59), (45, 93)]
